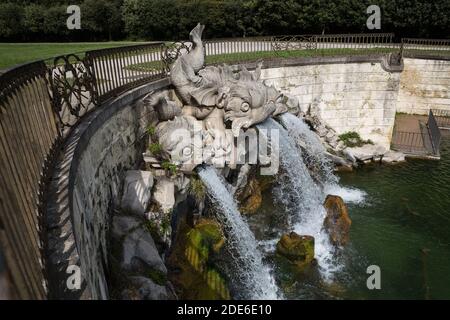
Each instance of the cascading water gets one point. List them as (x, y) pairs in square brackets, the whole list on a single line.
[(250, 274), (314, 154), (301, 197), (313, 151)]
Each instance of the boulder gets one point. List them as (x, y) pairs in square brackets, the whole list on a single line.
[(139, 253), (337, 221), (250, 197), (192, 261), (164, 193), (122, 225), (297, 249), (393, 156), (137, 191)]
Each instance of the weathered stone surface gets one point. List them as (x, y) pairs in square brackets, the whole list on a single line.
[(122, 225), (144, 289), (299, 250), (137, 191), (393, 156), (139, 253), (250, 197), (337, 222), (366, 152), (351, 96), (164, 193)]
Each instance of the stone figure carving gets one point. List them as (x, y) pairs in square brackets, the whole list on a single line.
[(216, 96)]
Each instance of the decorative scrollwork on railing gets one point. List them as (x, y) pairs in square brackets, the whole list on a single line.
[(73, 88), (170, 53), (294, 43)]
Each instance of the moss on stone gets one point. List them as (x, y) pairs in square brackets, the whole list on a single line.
[(298, 250), (190, 263)]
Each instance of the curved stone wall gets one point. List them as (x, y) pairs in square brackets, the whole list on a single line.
[(88, 179)]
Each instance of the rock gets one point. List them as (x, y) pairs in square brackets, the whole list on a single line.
[(122, 225), (137, 191), (322, 131), (299, 250), (393, 156), (344, 168), (349, 155), (139, 253), (145, 289), (250, 197), (192, 261), (337, 222), (164, 193), (241, 180), (366, 152)]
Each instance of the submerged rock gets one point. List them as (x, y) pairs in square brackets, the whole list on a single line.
[(191, 261), (337, 222), (137, 191), (299, 250)]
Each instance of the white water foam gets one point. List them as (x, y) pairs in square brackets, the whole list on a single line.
[(249, 273), (349, 195)]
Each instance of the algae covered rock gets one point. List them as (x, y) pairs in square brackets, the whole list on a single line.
[(191, 262), (337, 222), (298, 249)]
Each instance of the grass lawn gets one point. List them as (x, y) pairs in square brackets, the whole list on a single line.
[(12, 54)]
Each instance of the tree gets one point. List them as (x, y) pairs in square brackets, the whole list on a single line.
[(11, 21), (102, 17)]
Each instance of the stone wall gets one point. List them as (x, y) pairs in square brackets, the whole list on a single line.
[(88, 179), (424, 84), (358, 96), (361, 94)]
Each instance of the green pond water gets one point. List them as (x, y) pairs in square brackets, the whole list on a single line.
[(402, 226)]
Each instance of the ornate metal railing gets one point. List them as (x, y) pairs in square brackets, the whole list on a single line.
[(335, 41), (40, 102)]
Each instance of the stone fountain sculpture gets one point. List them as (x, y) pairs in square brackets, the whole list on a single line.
[(214, 100)]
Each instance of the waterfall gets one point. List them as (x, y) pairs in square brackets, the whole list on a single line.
[(314, 154), (248, 272), (299, 195), (313, 151)]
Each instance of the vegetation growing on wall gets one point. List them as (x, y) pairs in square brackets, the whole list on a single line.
[(353, 139)]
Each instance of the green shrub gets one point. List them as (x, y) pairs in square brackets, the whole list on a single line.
[(155, 148), (171, 167), (353, 139)]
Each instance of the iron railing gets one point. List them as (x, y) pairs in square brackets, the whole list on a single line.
[(434, 132), (426, 47), (40, 102), (410, 142), (426, 142), (442, 118)]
